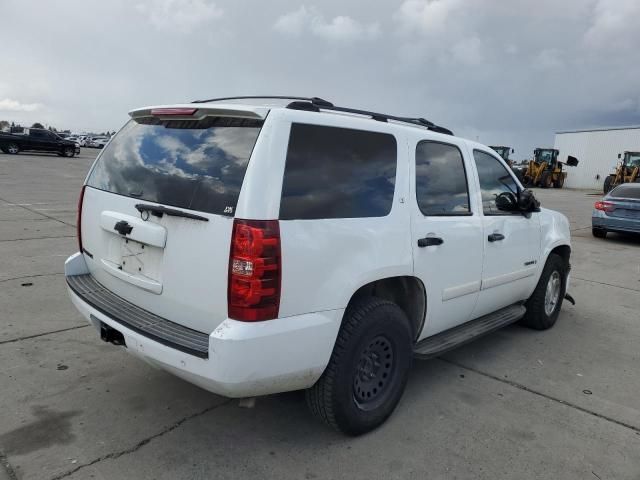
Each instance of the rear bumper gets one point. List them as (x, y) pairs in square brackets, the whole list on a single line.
[(244, 359), (615, 224)]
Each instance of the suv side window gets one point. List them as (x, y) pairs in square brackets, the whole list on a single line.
[(336, 172), (494, 180), (441, 180)]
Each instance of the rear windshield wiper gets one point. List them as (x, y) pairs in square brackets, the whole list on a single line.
[(159, 210)]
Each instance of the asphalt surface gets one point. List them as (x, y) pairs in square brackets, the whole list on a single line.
[(516, 404)]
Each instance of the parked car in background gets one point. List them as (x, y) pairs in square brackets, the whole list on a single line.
[(618, 211), (37, 140), (260, 249), (98, 142), (101, 142)]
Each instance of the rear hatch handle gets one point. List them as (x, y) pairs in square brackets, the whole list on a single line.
[(159, 211)]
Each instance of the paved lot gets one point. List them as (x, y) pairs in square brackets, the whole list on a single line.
[(516, 404)]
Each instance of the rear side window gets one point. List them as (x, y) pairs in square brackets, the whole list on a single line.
[(441, 181), (338, 173), (194, 164), (626, 191)]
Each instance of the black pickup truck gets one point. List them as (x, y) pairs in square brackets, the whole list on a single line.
[(37, 140)]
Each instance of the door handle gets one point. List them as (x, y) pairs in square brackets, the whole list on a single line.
[(494, 237), (430, 241)]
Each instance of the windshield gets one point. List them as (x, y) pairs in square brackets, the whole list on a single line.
[(632, 159), (545, 156), (194, 164), (502, 151)]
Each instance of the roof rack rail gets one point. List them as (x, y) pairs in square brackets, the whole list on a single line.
[(315, 100), (317, 104)]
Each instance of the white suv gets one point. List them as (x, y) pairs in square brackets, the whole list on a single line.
[(254, 247)]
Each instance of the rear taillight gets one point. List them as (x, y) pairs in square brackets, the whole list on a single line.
[(255, 270), (604, 206), (79, 217)]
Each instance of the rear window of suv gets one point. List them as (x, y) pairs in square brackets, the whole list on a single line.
[(336, 172), (193, 164)]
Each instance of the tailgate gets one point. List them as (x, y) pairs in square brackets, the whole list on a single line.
[(171, 266)]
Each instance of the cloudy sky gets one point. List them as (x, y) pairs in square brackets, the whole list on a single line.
[(507, 72)]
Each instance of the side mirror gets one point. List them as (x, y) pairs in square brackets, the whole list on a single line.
[(513, 151), (619, 155), (572, 161), (527, 202), (507, 202)]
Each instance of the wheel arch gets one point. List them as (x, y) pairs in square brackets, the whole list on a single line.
[(563, 251), (408, 292)]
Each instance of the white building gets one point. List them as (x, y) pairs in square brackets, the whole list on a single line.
[(597, 149)]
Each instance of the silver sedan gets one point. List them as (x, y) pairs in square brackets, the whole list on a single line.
[(618, 211)]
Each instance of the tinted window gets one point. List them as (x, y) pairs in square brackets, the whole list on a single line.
[(36, 133), (441, 182), (494, 180), (338, 173), (626, 191), (195, 164)]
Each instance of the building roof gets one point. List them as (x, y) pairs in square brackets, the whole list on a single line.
[(600, 129)]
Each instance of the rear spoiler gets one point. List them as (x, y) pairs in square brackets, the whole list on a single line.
[(191, 112)]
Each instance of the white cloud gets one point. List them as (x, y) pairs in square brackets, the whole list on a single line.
[(179, 16), (614, 24), (343, 28), (340, 28), (9, 105), (294, 22), (427, 16)]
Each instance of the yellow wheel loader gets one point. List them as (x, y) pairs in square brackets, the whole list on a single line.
[(627, 171), (545, 170)]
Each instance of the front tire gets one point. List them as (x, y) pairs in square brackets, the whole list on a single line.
[(545, 179), (559, 183), (12, 148), (543, 307), (368, 369), (69, 152)]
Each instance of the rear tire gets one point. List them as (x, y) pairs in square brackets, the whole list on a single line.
[(608, 183), (543, 307), (368, 369), (599, 232)]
